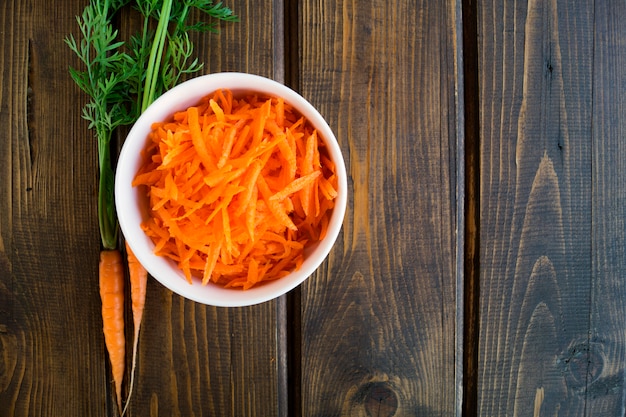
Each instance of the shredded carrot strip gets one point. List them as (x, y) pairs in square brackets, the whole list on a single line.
[(296, 185), (238, 187)]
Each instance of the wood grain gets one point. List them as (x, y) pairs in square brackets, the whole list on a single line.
[(374, 331), (604, 386), (48, 230), (545, 325), (378, 322)]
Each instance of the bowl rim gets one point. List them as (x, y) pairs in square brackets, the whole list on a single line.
[(178, 98)]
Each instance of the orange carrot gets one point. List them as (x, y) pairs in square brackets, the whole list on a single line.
[(138, 282), (112, 295), (238, 187)]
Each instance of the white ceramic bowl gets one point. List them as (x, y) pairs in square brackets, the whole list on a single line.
[(132, 207)]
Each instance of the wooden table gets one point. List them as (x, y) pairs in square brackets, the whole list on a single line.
[(481, 269)]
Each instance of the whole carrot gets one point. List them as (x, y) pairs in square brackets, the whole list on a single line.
[(138, 281), (112, 296)]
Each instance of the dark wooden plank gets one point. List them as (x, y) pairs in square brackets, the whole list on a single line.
[(604, 359), (194, 360), (51, 348), (378, 319), (552, 292), (535, 190), (199, 360)]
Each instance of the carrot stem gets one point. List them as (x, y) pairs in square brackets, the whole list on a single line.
[(156, 54), (107, 219)]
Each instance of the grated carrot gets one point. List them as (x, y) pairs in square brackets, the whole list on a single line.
[(238, 187)]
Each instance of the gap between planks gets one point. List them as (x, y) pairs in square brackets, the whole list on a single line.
[(468, 211)]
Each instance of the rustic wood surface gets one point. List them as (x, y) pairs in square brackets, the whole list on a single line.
[(482, 264), (378, 322), (552, 204)]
